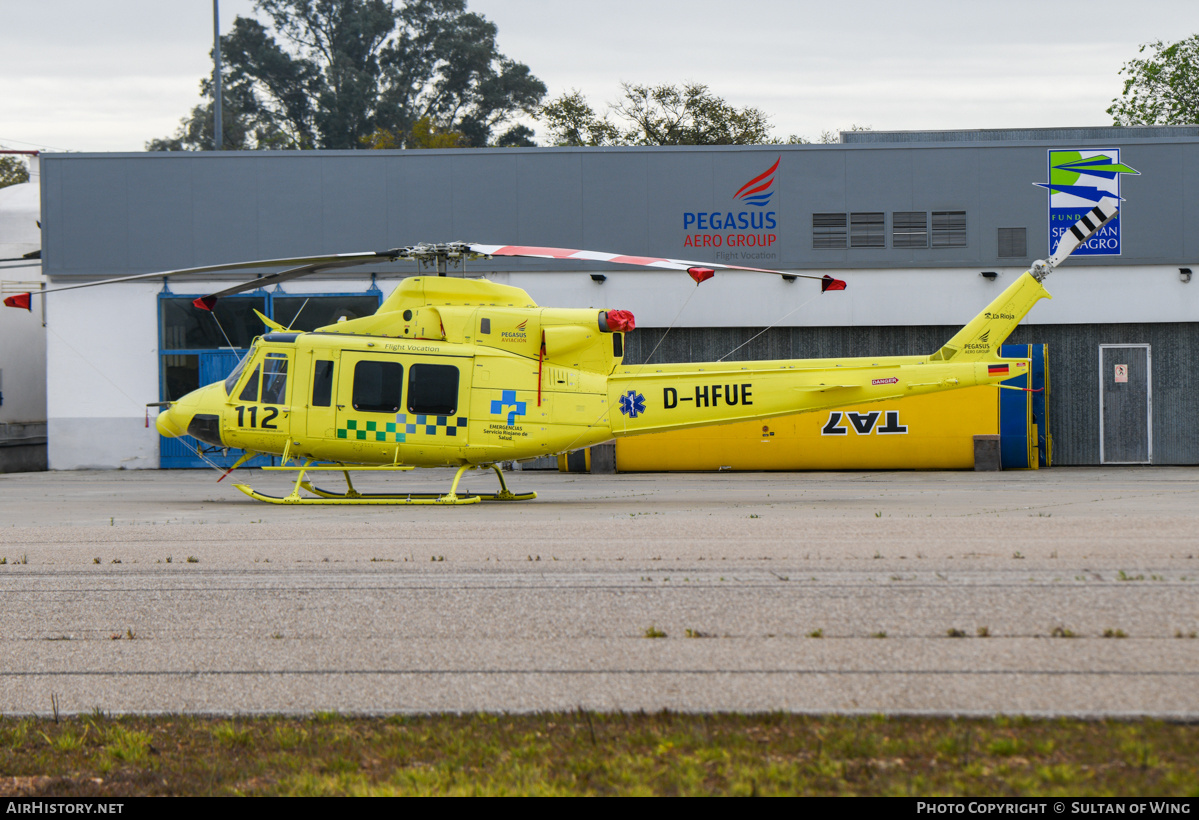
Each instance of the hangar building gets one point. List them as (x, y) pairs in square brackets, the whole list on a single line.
[(926, 227)]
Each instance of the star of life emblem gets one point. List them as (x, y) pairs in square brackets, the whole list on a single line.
[(632, 404)]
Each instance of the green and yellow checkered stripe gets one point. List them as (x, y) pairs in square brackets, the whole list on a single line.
[(401, 428), (370, 431)]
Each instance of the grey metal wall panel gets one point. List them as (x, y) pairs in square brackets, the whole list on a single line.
[(485, 203), (225, 215), (1153, 215), (354, 204), (290, 215), (1073, 399), (124, 213), (1005, 188), (677, 183), (608, 177), (1188, 208), (95, 212), (160, 227), (549, 198), (420, 196)]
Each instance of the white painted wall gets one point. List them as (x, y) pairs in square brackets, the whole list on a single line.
[(912, 297), (102, 369), (22, 340)]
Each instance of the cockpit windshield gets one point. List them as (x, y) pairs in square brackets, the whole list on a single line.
[(233, 377)]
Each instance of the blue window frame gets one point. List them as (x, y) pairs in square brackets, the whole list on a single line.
[(194, 350)]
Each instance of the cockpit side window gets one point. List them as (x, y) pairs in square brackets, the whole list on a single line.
[(274, 378), (250, 391), (322, 383)]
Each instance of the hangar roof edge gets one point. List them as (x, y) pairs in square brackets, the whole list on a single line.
[(874, 145)]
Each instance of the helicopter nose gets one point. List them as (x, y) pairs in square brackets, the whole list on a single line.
[(197, 414), (168, 422)]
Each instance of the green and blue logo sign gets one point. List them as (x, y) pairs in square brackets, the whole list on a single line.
[(1078, 180)]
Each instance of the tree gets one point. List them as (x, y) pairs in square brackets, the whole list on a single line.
[(657, 115), (13, 171), (353, 73), (1161, 89)]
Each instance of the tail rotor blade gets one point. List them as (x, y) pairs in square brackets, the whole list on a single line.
[(1077, 235)]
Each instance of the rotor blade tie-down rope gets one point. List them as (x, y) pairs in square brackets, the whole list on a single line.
[(641, 366), (768, 327)]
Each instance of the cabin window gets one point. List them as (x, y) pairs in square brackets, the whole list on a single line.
[(433, 389), (377, 386), (322, 383), (618, 345), (250, 391)]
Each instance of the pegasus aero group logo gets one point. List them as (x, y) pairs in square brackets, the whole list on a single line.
[(1077, 181), (749, 234), (982, 343), (517, 334)]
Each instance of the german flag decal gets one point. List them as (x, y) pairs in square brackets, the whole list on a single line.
[(997, 369)]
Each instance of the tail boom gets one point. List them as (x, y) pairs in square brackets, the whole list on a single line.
[(676, 397)]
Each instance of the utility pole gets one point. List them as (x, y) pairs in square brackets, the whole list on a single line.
[(218, 133)]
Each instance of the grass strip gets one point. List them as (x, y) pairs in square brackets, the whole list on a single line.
[(594, 753)]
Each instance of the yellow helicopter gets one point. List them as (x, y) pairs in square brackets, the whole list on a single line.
[(471, 373)]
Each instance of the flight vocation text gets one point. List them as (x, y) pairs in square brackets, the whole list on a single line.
[(748, 230), (710, 395)]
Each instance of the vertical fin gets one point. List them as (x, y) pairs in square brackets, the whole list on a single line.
[(981, 337)]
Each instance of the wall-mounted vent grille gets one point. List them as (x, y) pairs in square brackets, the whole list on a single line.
[(867, 231), (828, 231), (909, 229), (949, 229), (1013, 243)]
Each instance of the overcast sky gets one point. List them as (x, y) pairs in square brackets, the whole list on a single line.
[(83, 75)]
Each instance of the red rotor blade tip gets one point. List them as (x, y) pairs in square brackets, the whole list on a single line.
[(829, 283), (700, 274), (20, 300), (205, 303), (620, 321)]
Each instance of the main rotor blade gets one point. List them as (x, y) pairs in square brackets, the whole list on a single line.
[(692, 268), (207, 302), (327, 262), (25, 257)]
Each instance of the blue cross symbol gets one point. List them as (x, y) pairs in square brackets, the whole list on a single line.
[(632, 404), (506, 400)]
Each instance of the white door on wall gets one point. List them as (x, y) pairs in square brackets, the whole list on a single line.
[(1125, 404)]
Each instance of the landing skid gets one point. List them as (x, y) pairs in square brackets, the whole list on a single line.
[(352, 496)]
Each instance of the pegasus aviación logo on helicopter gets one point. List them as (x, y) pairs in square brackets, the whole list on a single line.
[(427, 381)]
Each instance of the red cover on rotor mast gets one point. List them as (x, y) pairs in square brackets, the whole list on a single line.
[(620, 321)]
